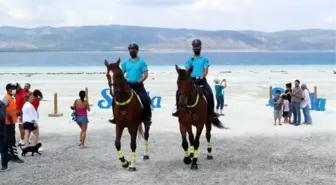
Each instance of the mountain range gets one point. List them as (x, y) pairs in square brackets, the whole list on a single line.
[(118, 37)]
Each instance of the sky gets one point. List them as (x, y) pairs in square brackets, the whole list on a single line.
[(260, 15)]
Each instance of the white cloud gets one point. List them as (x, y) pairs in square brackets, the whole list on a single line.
[(267, 15), (216, 5), (331, 19)]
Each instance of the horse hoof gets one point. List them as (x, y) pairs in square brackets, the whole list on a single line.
[(209, 157), (194, 167), (187, 160), (125, 165), (132, 169), (146, 157)]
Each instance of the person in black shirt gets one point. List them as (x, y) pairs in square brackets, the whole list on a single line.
[(289, 98)]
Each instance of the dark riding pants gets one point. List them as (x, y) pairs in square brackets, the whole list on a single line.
[(11, 142), (3, 151), (207, 92), (141, 91)]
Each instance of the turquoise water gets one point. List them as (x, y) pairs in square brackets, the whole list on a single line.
[(96, 59)]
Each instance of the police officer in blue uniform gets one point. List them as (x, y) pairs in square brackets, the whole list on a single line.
[(200, 66), (136, 73)]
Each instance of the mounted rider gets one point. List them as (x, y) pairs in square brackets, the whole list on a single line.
[(200, 66), (136, 73)]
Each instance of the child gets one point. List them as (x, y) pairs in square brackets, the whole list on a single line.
[(220, 95), (277, 107), (285, 108)]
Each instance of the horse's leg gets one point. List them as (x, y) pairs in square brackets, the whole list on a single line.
[(133, 132), (146, 134), (199, 129), (191, 140), (119, 130), (183, 131), (208, 127)]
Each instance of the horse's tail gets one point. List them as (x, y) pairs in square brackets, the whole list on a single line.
[(217, 123), (140, 132)]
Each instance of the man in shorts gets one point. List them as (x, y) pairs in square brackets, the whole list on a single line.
[(278, 103)]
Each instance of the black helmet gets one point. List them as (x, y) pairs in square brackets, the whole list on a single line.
[(133, 46), (196, 43)]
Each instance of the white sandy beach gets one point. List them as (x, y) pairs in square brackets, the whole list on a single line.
[(252, 151)]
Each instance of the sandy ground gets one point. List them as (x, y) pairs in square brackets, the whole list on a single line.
[(308, 159), (252, 151)]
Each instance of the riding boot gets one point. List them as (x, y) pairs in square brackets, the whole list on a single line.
[(175, 114)]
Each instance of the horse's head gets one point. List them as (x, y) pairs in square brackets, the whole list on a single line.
[(118, 81), (185, 84)]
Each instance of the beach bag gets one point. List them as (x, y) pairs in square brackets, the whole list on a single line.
[(74, 113)]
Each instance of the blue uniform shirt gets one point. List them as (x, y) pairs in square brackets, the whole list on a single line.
[(199, 64), (134, 69)]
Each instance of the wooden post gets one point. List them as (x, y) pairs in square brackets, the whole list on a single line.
[(55, 114), (315, 91), (86, 94), (270, 94)]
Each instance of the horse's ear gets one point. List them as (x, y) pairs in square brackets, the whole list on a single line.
[(189, 71), (118, 61), (106, 63), (177, 68)]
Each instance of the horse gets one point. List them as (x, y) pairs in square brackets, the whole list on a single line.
[(193, 111), (127, 113)]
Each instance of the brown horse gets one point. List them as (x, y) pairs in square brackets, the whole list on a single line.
[(193, 111), (127, 113)]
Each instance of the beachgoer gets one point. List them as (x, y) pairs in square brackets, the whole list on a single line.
[(278, 105), (296, 97), (288, 94), (11, 119), (219, 87), (81, 106), (19, 100), (285, 108), (200, 70), (136, 74), (306, 105), (3, 144), (30, 120)]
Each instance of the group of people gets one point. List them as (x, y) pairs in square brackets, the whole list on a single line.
[(289, 105), (19, 105)]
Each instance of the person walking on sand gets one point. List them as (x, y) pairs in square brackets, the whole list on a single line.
[(3, 143), (81, 106), (277, 107), (19, 100), (11, 119), (30, 120), (306, 105), (296, 97), (219, 87)]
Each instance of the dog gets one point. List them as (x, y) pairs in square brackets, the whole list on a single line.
[(32, 149)]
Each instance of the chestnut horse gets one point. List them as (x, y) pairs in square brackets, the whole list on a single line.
[(127, 113), (193, 111)]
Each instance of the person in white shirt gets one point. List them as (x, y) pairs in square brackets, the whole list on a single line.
[(285, 108), (30, 120), (306, 105)]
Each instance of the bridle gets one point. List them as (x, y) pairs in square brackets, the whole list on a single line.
[(188, 95), (116, 89)]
